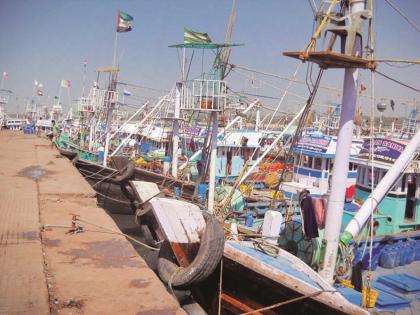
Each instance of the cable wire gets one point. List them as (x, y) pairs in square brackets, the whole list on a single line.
[(403, 15), (396, 81)]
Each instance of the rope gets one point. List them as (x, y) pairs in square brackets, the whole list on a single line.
[(284, 95), (403, 15), (311, 295), (220, 288), (396, 81), (113, 199), (266, 248), (171, 279), (116, 232)]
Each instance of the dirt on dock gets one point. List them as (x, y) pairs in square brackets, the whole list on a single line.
[(45, 267)]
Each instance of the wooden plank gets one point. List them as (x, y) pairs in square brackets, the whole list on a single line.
[(145, 190), (237, 305), (330, 59), (333, 299), (182, 225)]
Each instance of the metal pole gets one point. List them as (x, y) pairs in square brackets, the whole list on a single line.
[(392, 175), (175, 138), (257, 119), (341, 164), (213, 157)]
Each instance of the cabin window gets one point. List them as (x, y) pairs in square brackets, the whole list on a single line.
[(403, 182), (375, 177), (305, 161), (361, 175), (317, 163), (310, 161), (352, 167)]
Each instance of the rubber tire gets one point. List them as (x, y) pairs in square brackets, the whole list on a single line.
[(208, 257), (75, 159), (148, 236), (128, 173)]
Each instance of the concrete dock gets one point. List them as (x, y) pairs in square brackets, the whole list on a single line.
[(53, 271)]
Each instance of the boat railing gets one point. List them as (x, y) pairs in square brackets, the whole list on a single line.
[(204, 95), (4, 99), (84, 105), (101, 99)]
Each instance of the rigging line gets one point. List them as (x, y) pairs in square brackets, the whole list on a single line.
[(284, 95), (399, 66), (313, 7), (400, 12), (396, 81), (273, 86), (279, 76), (142, 87)]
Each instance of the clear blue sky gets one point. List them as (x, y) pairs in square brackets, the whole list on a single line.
[(48, 40)]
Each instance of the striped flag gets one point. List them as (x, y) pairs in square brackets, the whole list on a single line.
[(191, 37), (124, 22)]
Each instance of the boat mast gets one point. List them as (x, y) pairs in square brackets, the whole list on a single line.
[(175, 132), (110, 105), (341, 162)]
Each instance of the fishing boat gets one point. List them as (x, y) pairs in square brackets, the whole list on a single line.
[(273, 269)]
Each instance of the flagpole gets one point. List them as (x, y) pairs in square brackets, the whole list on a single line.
[(84, 78), (116, 41), (183, 64), (70, 105)]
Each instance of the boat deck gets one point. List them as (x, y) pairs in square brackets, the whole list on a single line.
[(53, 271)]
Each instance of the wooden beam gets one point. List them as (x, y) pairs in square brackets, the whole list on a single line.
[(331, 59), (237, 305)]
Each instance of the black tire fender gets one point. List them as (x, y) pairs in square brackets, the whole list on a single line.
[(75, 159), (208, 257), (127, 174)]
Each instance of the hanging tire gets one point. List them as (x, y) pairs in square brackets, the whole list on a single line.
[(203, 265), (127, 173)]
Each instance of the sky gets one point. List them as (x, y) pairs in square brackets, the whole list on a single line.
[(48, 40)]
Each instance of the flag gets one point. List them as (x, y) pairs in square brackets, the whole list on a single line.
[(191, 37), (124, 22), (127, 93), (392, 105), (65, 84), (5, 75)]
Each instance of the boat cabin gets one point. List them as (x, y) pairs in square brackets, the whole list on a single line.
[(399, 211), (313, 165), (233, 150)]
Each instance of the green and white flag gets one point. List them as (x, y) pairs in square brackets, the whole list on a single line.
[(191, 37), (124, 22)]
